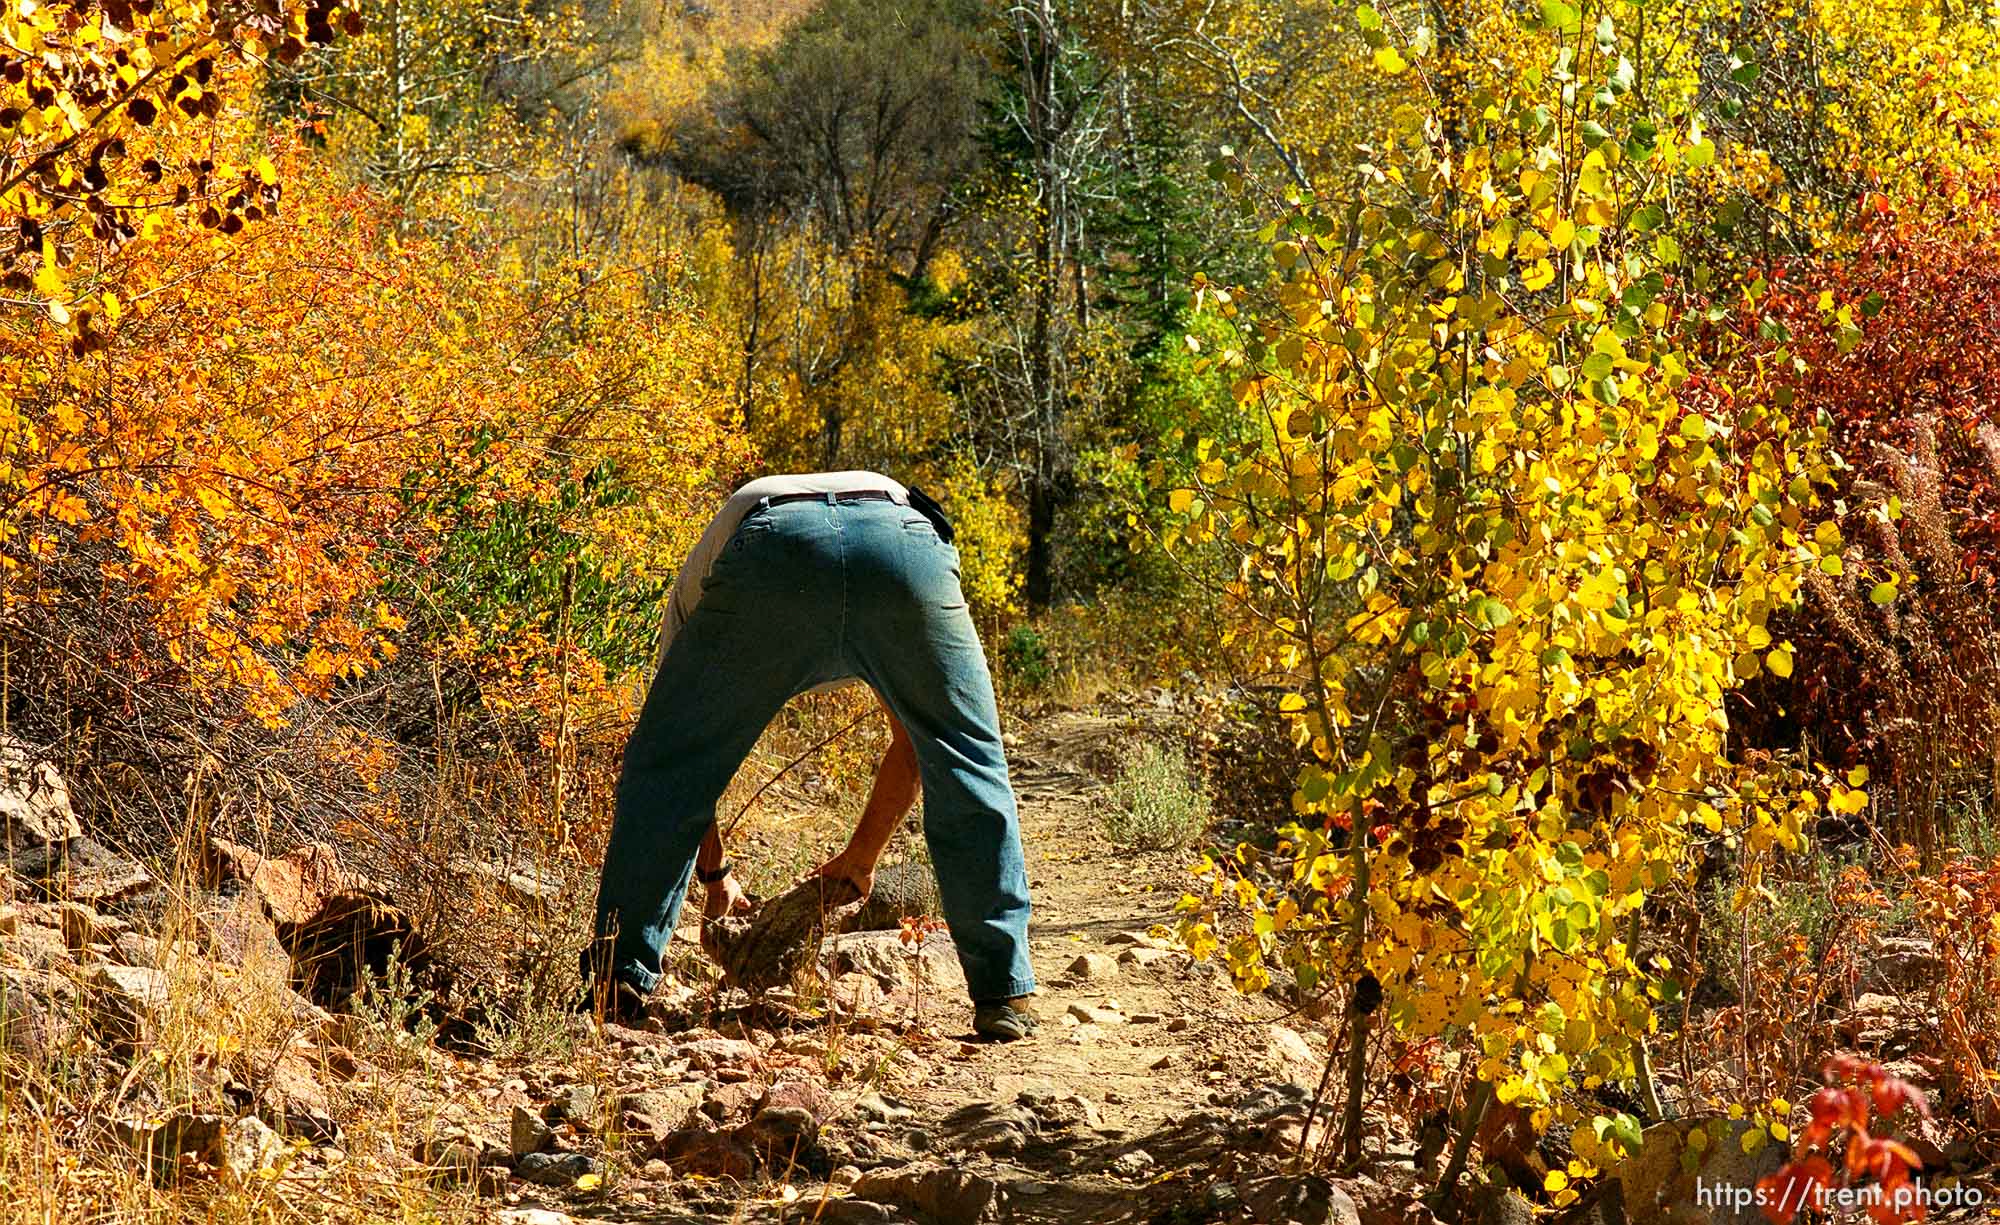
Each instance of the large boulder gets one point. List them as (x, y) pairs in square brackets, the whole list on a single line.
[(35, 811), (882, 956), (293, 887), (128, 1003), (350, 940), (1680, 1178)]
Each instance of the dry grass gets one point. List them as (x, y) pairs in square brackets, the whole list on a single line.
[(62, 1158)]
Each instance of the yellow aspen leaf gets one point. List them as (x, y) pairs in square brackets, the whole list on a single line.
[(1389, 60)]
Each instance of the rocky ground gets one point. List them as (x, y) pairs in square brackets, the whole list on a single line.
[(195, 1045)]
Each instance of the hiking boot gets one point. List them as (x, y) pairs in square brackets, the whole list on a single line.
[(1003, 1020), (625, 1005)]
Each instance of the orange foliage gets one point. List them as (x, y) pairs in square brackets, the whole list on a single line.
[(256, 438)]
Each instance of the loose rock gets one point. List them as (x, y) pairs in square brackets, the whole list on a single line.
[(128, 1002), (1093, 967), (784, 1138), (554, 1169), (661, 1110), (1291, 1056), (572, 1104), (248, 1147), (1136, 1164), (528, 1134), (893, 965), (855, 1212), (988, 1127), (1092, 1015), (707, 1151), (1284, 1199), (876, 1107), (709, 1054), (937, 1192)]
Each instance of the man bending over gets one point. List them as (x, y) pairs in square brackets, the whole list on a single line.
[(803, 582)]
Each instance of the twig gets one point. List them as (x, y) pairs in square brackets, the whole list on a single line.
[(788, 766)]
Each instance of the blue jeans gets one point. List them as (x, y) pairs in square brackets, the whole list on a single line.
[(805, 593)]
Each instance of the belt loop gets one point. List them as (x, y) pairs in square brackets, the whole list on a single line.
[(764, 503), (830, 496)]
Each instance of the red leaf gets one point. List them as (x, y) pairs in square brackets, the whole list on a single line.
[(1797, 1184)]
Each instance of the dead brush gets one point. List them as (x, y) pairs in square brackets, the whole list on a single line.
[(1931, 655)]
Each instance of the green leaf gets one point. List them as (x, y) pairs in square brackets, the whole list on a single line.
[(1626, 1130), (1560, 17)]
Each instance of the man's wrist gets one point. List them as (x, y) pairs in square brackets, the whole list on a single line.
[(715, 877)]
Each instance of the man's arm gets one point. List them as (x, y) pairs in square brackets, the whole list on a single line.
[(894, 793)]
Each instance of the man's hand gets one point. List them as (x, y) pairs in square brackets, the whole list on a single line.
[(724, 897), (854, 866)]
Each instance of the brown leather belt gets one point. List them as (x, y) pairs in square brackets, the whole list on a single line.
[(856, 495)]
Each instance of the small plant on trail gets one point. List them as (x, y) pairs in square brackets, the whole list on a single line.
[(395, 1012), (917, 929), (527, 1020), (1027, 657), (1157, 802)]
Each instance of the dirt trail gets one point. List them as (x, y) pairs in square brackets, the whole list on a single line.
[(1168, 1033), (1147, 1073)]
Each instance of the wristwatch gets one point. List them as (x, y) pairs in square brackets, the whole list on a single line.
[(716, 877)]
